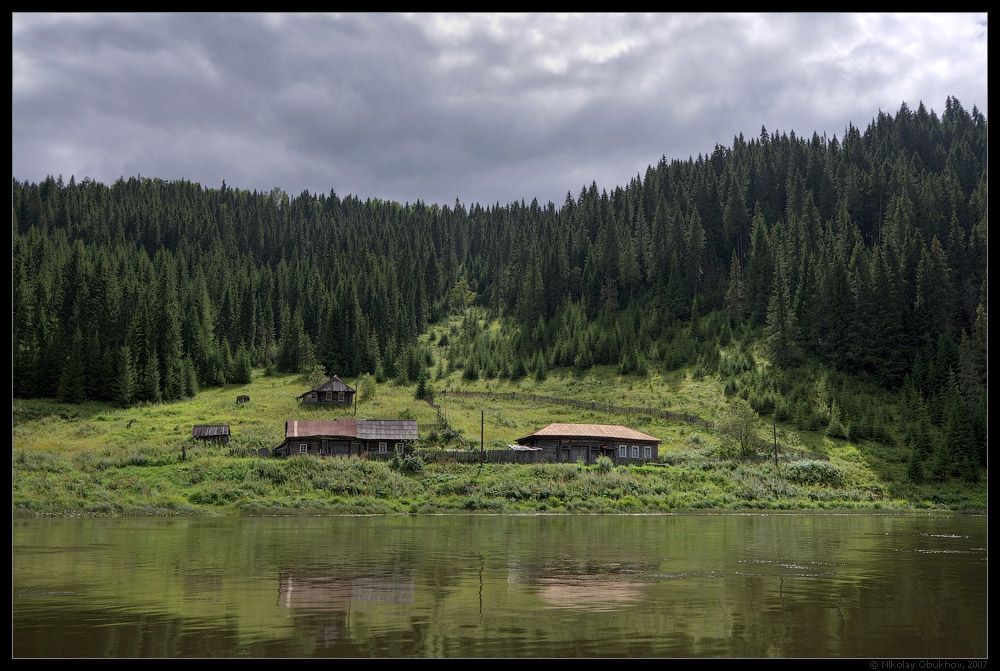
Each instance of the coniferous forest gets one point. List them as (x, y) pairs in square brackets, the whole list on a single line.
[(861, 259)]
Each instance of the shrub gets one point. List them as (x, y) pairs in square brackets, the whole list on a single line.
[(411, 463), (604, 464), (815, 473)]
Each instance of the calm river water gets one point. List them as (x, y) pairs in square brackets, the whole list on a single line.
[(502, 586)]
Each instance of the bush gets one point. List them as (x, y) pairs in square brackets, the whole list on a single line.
[(815, 473), (604, 464), (412, 464)]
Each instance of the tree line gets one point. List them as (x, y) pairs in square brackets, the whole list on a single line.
[(866, 254)]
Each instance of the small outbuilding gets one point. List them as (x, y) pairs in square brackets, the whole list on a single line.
[(346, 437), (333, 392), (243, 399), (571, 442), (214, 432)]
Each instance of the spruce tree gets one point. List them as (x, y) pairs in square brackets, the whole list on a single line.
[(125, 377), (72, 381)]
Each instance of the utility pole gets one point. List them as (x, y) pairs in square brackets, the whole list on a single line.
[(482, 436), (774, 428)]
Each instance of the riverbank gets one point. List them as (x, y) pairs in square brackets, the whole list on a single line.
[(219, 485)]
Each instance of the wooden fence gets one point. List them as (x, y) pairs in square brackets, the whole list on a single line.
[(249, 452), (489, 456), (444, 422)]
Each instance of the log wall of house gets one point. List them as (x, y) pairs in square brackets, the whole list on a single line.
[(570, 450)]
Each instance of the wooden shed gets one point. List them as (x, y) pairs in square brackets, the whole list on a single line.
[(216, 432), (570, 442), (333, 391), (345, 437)]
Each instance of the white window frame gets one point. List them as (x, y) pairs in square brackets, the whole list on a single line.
[(635, 451), (399, 448), (340, 397), (383, 447), (303, 448), (329, 396), (623, 451), (647, 452)]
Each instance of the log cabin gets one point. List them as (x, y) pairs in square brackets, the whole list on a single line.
[(333, 391), (346, 437), (571, 442)]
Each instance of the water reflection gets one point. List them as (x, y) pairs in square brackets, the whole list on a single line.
[(757, 586), (595, 594), (297, 591)]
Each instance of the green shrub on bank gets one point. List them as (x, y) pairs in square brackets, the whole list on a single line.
[(815, 473)]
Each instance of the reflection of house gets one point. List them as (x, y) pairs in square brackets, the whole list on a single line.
[(217, 432), (592, 594), (328, 592), (345, 437), (332, 391), (570, 442)]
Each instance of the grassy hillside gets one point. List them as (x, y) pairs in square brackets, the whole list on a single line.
[(98, 459)]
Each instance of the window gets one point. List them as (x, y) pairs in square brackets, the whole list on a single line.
[(399, 448), (647, 452), (312, 396), (303, 448), (340, 397), (329, 395), (635, 451), (383, 448), (622, 451)]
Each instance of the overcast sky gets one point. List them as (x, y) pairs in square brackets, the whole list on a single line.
[(483, 108)]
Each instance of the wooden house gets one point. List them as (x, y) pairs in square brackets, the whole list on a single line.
[(570, 442), (333, 391), (345, 437), (216, 432)]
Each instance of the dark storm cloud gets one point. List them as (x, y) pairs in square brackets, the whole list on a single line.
[(434, 107)]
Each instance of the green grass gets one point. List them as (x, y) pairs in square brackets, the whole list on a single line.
[(101, 460)]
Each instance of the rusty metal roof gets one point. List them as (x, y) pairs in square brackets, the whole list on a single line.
[(597, 431), (210, 430), (365, 429)]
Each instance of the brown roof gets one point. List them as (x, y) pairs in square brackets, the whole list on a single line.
[(365, 429), (599, 431), (334, 384), (210, 430)]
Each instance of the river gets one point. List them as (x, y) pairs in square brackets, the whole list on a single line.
[(752, 585)]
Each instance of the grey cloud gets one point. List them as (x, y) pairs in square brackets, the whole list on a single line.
[(432, 107)]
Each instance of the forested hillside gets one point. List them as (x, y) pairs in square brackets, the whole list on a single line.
[(864, 256)]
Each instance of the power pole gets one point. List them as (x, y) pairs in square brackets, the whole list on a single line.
[(774, 428)]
